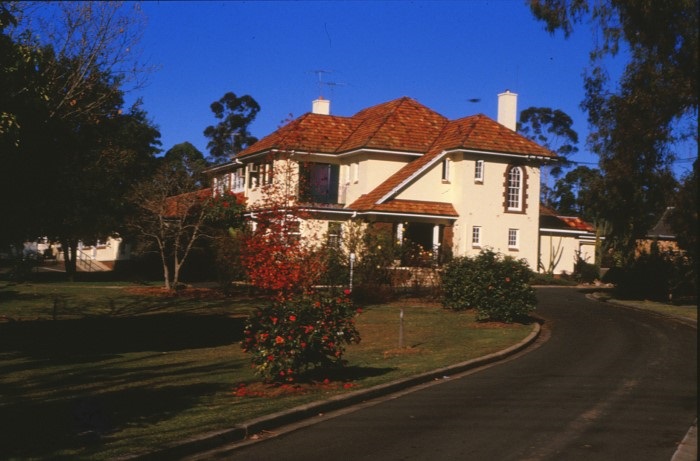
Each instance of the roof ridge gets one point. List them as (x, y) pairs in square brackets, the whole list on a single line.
[(366, 118)]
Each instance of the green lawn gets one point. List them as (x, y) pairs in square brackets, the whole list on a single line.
[(101, 370)]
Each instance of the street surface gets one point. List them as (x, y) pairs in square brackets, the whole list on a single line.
[(604, 383)]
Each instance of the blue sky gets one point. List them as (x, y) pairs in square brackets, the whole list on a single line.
[(440, 53)]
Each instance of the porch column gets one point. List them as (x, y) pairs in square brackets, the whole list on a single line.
[(399, 233), (436, 240)]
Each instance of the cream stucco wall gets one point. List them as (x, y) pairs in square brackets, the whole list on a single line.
[(478, 203), (569, 246), (368, 172), (481, 203), (372, 170)]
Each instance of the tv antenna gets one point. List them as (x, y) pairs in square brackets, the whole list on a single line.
[(321, 83)]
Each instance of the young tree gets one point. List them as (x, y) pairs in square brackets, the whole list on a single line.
[(173, 214), (231, 134), (654, 105)]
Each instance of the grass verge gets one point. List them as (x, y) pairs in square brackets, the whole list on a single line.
[(100, 371), (687, 311)]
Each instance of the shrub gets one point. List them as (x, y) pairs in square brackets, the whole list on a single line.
[(655, 276), (374, 268), (585, 272), (286, 337), (496, 286)]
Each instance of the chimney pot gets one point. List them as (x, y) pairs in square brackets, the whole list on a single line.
[(508, 109), (321, 106)]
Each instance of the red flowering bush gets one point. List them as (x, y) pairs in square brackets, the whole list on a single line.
[(298, 328), (225, 210), (277, 262), (286, 337), (497, 286)]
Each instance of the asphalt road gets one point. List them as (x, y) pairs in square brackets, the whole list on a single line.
[(603, 383)]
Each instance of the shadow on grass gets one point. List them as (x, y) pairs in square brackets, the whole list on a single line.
[(106, 336), (341, 374), (43, 429)]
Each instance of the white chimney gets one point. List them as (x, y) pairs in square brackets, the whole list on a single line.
[(321, 106), (508, 109)]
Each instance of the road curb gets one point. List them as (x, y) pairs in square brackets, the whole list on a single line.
[(240, 432)]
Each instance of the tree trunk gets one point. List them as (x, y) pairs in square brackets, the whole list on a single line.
[(166, 275)]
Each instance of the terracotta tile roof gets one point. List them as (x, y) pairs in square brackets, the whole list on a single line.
[(400, 125), (577, 223), (550, 218), (479, 132), (178, 205), (308, 133), (417, 207)]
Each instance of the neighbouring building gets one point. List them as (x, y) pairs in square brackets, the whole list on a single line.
[(563, 241), (453, 186), (661, 234)]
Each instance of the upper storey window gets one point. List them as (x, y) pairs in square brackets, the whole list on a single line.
[(515, 188), (318, 183), (446, 170), (479, 171)]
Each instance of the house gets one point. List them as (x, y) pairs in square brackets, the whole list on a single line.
[(563, 240), (452, 186), (661, 234)]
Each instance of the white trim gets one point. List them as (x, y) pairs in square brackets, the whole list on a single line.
[(408, 215), (564, 231), (503, 154)]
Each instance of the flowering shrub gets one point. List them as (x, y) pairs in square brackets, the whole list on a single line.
[(297, 328), (496, 286), (225, 210), (287, 336), (277, 263)]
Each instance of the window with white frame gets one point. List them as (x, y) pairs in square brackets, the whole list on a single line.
[(293, 228), (334, 234), (446, 170), (513, 239), (238, 180), (253, 171), (355, 172), (476, 236), (265, 173), (217, 186), (479, 171), (514, 190)]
